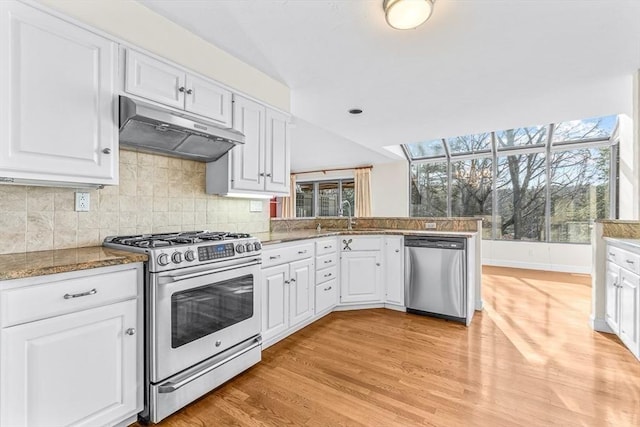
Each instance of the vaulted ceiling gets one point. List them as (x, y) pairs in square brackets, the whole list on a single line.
[(475, 66)]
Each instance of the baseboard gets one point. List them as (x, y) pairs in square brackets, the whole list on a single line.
[(577, 269), (345, 307), (395, 307), (599, 325)]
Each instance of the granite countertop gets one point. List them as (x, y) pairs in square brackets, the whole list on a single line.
[(30, 264), (626, 241), (270, 238)]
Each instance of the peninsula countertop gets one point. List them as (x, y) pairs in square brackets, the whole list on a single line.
[(41, 263), (269, 238)]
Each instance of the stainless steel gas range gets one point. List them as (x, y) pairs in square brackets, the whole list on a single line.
[(202, 313)]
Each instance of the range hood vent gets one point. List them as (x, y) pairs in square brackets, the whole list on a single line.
[(145, 127)]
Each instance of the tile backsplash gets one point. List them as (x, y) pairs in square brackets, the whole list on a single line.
[(156, 194)]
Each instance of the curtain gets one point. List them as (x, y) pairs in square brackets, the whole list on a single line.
[(362, 185), (289, 203)]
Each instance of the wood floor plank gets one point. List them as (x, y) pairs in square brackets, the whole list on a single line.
[(529, 359)]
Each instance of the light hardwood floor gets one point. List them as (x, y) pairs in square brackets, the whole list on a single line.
[(528, 359)]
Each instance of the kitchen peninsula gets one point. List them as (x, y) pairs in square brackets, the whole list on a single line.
[(313, 266)]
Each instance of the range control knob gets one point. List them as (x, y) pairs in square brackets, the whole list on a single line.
[(240, 249), (189, 255), (248, 246), (257, 246), (163, 259), (176, 257)]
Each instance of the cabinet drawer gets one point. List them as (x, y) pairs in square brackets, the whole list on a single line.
[(326, 274), (326, 246), (623, 258), (284, 254), (55, 298), (326, 295), (326, 261), (360, 243)]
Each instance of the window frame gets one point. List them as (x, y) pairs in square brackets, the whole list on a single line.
[(548, 148), (315, 208)]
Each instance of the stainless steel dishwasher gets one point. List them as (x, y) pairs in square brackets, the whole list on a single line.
[(435, 276)]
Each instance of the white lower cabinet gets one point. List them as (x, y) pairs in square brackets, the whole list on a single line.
[(326, 275), (288, 291), (361, 270), (82, 368), (361, 277), (622, 309), (394, 270)]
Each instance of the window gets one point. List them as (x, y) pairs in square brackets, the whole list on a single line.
[(472, 190), (324, 198), (429, 189), (539, 183)]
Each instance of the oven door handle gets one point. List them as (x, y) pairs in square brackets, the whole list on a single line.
[(178, 277), (171, 386)]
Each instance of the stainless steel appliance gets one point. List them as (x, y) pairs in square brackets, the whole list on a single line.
[(436, 277), (202, 313), (147, 127)]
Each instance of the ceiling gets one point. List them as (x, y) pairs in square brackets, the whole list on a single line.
[(475, 66)]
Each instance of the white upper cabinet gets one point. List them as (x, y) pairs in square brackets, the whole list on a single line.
[(261, 164), (277, 151), (154, 80), (170, 85), (208, 99), (247, 159), (58, 111)]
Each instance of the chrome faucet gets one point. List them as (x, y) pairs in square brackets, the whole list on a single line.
[(350, 222)]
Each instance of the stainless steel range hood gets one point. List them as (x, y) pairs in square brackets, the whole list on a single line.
[(145, 127)]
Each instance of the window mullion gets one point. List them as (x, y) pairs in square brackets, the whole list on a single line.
[(494, 188), (547, 207)]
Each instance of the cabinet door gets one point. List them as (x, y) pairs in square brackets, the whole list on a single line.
[(394, 270), (612, 314), (209, 100), (77, 369), (629, 310), (58, 115), (247, 160), (301, 291), (275, 306), (155, 80), (277, 159), (360, 274)]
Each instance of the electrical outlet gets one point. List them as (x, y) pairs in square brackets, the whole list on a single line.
[(255, 206), (82, 201), (430, 225)]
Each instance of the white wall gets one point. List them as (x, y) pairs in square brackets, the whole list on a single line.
[(565, 257), (390, 189), (136, 24)]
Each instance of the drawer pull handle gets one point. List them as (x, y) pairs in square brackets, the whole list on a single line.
[(81, 294), (286, 282), (302, 252), (612, 254), (327, 289), (328, 247), (274, 257), (328, 261), (327, 275), (378, 264), (630, 262), (397, 250), (292, 280)]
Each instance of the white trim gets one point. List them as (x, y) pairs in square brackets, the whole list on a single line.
[(395, 307), (562, 268), (599, 325), (345, 307)]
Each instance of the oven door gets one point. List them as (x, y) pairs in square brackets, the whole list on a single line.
[(197, 313)]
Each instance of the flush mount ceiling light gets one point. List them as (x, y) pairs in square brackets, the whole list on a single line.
[(407, 14)]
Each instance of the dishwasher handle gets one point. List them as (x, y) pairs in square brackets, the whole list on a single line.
[(456, 243)]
